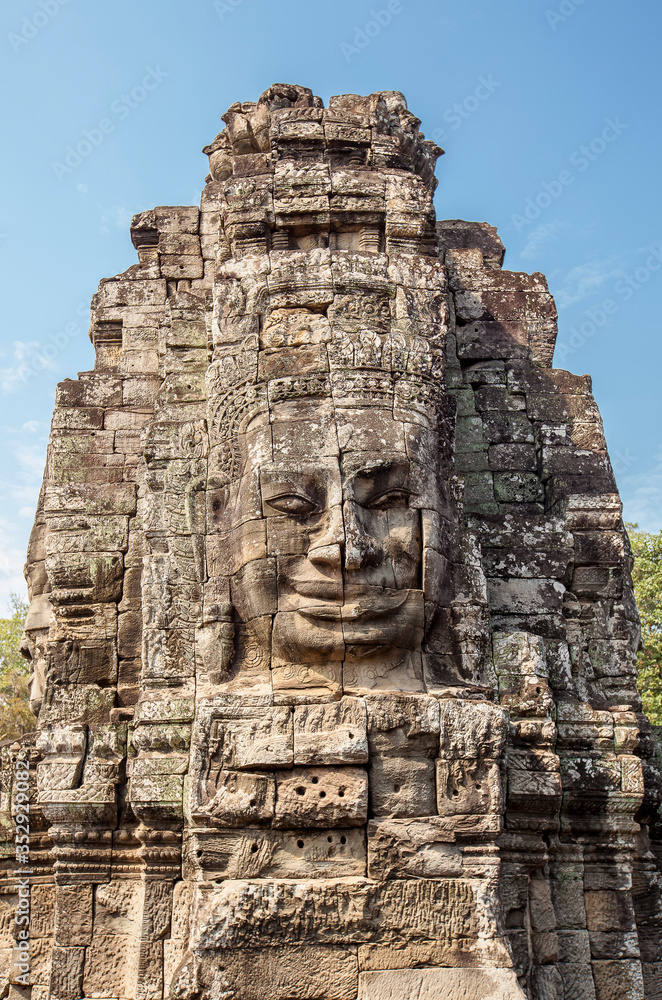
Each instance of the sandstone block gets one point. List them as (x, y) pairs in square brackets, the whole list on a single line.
[(424, 848), (440, 984), (471, 729), (618, 980), (468, 787), (293, 973), (525, 596), (402, 785), (260, 741), (367, 912), (66, 982), (321, 797), (240, 798), (331, 734), (259, 853), (73, 924)]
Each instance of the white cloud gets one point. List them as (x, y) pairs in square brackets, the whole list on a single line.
[(117, 217), (28, 362), (32, 426), (642, 497), (30, 459), (585, 280), (541, 235)]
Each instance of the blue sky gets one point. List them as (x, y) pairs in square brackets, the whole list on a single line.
[(548, 111)]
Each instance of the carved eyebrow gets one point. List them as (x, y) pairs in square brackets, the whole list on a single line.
[(375, 480), (295, 472), (381, 471), (365, 466), (275, 483)]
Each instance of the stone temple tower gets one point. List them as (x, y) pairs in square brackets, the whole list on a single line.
[(331, 625)]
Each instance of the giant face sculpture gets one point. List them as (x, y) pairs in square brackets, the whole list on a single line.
[(330, 532), (344, 532)]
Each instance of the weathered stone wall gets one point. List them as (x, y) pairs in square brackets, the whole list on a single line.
[(332, 625)]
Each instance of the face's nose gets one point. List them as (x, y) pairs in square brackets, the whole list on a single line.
[(353, 555), (327, 547), (361, 549)]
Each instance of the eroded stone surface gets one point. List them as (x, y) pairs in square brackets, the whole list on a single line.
[(331, 622)]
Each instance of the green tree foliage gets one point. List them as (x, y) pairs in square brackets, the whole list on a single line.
[(647, 579), (15, 715)]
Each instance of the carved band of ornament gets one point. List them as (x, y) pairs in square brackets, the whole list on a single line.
[(294, 388), (364, 349), (107, 332), (165, 710), (229, 416), (360, 307), (102, 794), (290, 114)]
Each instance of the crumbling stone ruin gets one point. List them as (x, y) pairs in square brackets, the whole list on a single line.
[(332, 627)]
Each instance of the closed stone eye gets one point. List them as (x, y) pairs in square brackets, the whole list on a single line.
[(389, 500), (293, 503)]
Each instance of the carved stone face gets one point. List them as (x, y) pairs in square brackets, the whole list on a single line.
[(339, 508), (33, 648), (37, 678)]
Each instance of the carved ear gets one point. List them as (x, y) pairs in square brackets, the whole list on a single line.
[(214, 643), (217, 499), (345, 432)]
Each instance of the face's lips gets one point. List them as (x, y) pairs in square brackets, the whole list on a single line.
[(321, 590), (329, 612), (376, 607)]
